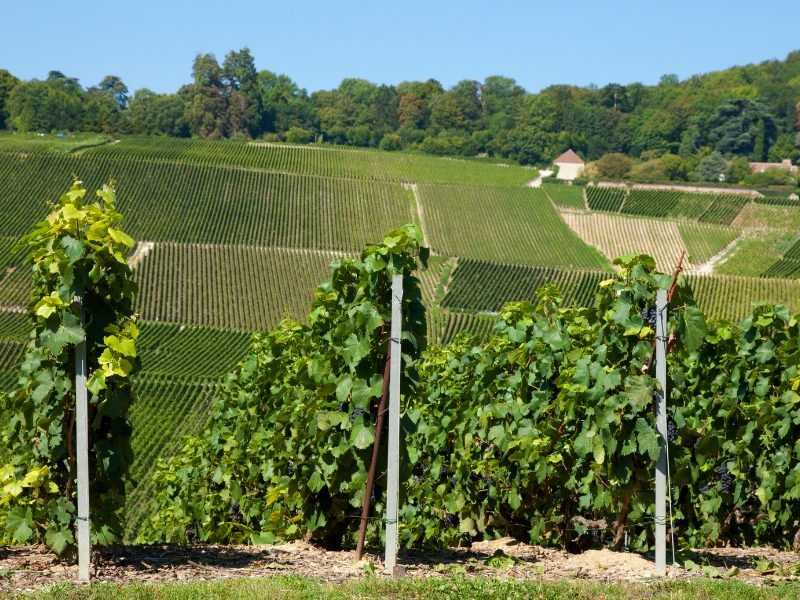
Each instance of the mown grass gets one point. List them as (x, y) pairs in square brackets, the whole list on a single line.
[(50, 143), (429, 589)]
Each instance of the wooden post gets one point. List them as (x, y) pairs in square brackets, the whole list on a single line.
[(362, 528), (393, 461), (661, 426)]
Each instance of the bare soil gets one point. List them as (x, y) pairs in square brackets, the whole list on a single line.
[(31, 568)]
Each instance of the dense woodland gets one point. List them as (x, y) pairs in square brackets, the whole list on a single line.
[(676, 130)]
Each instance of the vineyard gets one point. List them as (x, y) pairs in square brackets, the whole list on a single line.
[(239, 236), (235, 287), (663, 240), (567, 196), (484, 286), (324, 161), (516, 225)]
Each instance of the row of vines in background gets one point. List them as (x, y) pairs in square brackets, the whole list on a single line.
[(714, 208), (542, 428)]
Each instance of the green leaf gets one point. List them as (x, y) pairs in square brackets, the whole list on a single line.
[(647, 439), (584, 444), (122, 237), (361, 436), (639, 390), (19, 523), (59, 540), (694, 328), (73, 248)]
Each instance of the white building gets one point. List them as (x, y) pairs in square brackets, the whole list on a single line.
[(570, 166)]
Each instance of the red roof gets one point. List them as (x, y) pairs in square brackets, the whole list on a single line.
[(568, 158)]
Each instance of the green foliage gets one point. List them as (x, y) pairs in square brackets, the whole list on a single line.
[(547, 422), (736, 410), (288, 444), (613, 165), (77, 252)]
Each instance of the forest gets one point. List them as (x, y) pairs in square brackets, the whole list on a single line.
[(676, 130)]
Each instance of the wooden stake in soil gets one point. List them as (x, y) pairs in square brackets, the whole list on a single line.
[(661, 426), (393, 462), (362, 529), (82, 426)]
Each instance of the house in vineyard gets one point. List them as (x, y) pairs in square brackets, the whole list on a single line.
[(570, 166)]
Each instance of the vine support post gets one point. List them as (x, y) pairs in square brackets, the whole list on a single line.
[(661, 427), (393, 459), (82, 452)]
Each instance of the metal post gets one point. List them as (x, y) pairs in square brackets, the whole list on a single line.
[(82, 426), (661, 426), (393, 459)]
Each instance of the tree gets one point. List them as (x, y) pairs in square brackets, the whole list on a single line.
[(47, 105), (7, 83), (245, 103), (713, 167), (206, 107), (784, 148), (613, 166), (113, 85), (738, 124)]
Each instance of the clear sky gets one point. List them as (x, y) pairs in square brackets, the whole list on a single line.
[(152, 43)]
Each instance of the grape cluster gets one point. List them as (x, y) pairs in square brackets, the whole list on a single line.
[(725, 478), (236, 516), (290, 469), (190, 535), (672, 430), (377, 492), (357, 412), (342, 407), (650, 316), (448, 520)]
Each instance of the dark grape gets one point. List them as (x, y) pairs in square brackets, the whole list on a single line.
[(448, 520), (357, 412), (704, 489), (418, 479), (672, 430), (235, 507), (652, 317), (190, 535), (342, 407)]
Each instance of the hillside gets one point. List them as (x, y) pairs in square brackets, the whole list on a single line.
[(234, 236)]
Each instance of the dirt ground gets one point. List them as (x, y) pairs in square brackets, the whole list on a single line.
[(31, 568)]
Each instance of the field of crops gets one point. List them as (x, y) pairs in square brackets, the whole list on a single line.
[(729, 297), (763, 216), (324, 161), (486, 286), (444, 325), (605, 198), (186, 203), (167, 409), (229, 287), (568, 196), (788, 265), (515, 225), (720, 209), (617, 236)]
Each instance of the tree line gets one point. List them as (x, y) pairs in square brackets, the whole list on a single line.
[(751, 112)]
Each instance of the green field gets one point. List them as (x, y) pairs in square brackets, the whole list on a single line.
[(239, 235), (484, 286), (517, 225)]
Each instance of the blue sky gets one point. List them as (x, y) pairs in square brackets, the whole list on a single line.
[(152, 44)]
